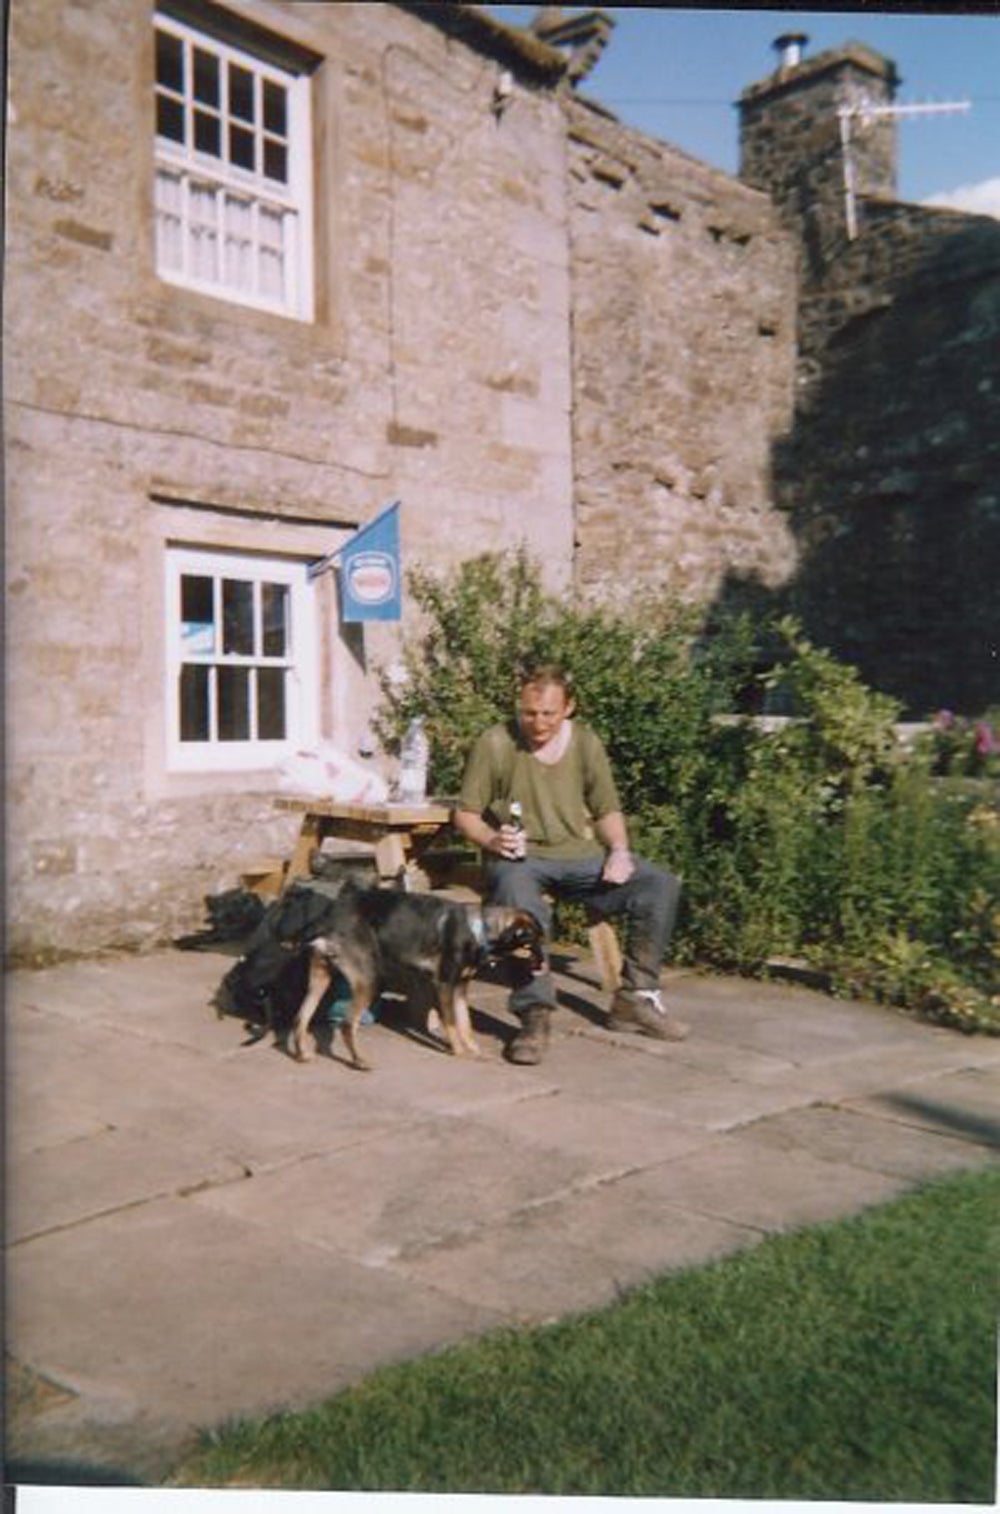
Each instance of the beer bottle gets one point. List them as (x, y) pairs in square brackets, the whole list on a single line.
[(517, 821)]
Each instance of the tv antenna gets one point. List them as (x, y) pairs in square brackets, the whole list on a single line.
[(865, 112)]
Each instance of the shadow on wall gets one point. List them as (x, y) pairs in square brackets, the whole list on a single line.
[(891, 479)]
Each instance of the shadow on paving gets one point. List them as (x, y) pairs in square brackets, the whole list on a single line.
[(969, 1126)]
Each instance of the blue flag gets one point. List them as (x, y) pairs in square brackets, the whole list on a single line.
[(370, 586)]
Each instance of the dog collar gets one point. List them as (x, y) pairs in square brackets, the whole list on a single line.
[(478, 927)]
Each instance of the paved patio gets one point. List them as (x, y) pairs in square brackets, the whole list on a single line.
[(198, 1229)]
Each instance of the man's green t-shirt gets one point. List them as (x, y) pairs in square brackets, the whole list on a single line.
[(559, 801)]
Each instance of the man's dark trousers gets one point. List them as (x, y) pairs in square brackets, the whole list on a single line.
[(648, 902)]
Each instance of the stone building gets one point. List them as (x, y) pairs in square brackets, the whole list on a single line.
[(271, 265), (890, 475)]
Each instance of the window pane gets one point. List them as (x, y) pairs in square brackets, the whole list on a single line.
[(234, 704), (237, 616), (207, 136), (239, 243), (169, 119), (204, 238), (169, 243), (272, 254), (275, 610), (275, 109), (170, 62), (194, 702), (271, 704), (196, 597), (275, 161), (197, 616), (240, 93), (241, 147), (206, 77)]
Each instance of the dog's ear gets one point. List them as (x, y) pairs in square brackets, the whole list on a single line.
[(528, 932), (510, 928), (524, 925)]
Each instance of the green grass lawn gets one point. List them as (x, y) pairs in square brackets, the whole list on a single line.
[(850, 1361)]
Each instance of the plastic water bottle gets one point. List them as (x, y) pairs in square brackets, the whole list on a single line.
[(414, 761)]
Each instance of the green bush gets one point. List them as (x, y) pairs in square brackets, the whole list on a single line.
[(461, 671), (819, 839)]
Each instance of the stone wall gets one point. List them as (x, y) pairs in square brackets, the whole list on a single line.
[(891, 476), (683, 376), (436, 371)]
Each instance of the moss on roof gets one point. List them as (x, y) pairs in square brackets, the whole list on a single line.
[(520, 51), (833, 58)]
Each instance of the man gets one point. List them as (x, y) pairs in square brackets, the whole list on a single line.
[(575, 846)]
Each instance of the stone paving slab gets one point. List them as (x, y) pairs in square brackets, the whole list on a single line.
[(257, 1107), (205, 1229), (189, 1315), (76, 1181), (871, 1142), (514, 1270), (435, 1180), (863, 1072), (126, 996), (737, 1179), (609, 1135), (574, 1254), (661, 1079), (634, 1228)]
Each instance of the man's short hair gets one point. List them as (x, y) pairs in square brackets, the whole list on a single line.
[(546, 672)]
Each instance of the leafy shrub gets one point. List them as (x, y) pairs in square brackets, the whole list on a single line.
[(847, 729), (461, 669), (818, 838)]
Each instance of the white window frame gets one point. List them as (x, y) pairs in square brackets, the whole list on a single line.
[(189, 182), (301, 660)]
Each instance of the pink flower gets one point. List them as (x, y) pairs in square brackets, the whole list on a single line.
[(986, 740), (943, 719)]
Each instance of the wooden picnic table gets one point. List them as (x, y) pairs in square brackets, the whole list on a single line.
[(398, 833)]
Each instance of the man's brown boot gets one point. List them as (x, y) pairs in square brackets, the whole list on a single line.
[(642, 1010), (529, 1045)]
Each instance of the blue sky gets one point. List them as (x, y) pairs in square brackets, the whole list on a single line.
[(676, 73)]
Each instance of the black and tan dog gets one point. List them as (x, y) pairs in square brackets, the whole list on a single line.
[(378, 940), (381, 938)]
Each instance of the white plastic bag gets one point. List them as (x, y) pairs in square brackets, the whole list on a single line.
[(327, 773)]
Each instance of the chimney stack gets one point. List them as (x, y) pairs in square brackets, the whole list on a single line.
[(789, 47), (791, 145), (582, 36)]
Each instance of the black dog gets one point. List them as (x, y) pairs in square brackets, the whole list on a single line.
[(377, 939), (267, 984)]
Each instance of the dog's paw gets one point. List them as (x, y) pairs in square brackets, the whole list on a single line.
[(462, 1048)]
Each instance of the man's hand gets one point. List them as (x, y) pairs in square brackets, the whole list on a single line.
[(506, 842), (618, 865)]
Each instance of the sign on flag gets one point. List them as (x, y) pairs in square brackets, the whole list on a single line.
[(369, 566)]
